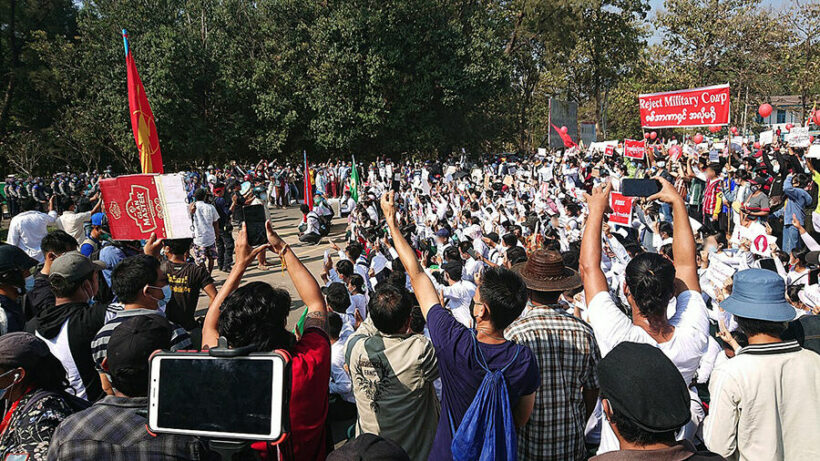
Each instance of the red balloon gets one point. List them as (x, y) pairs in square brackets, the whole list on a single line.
[(734, 130), (817, 117), (563, 129), (653, 135), (714, 128), (789, 127), (765, 110), (757, 145), (698, 138), (646, 135)]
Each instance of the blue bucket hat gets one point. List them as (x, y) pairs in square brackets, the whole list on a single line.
[(759, 294)]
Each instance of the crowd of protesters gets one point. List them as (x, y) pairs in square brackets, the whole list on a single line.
[(490, 308)]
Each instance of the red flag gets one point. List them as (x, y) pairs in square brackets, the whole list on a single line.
[(564, 137), (142, 119), (308, 185)]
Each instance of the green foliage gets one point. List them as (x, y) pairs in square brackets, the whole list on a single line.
[(233, 79)]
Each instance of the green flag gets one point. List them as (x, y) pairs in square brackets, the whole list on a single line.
[(354, 182)]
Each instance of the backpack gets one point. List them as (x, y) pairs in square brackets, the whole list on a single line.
[(487, 432), (75, 403)]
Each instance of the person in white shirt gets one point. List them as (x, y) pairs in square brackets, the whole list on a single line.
[(472, 266), (27, 229), (72, 221), (344, 407), (312, 233), (346, 204), (457, 293), (650, 283), (206, 229)]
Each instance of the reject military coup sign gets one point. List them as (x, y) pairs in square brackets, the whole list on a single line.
[(686, 108)]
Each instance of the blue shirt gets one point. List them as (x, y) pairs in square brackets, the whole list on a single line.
[(797, 201), (461, 375)]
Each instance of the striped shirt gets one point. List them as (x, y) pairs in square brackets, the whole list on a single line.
[(710, 196), (180, 339)]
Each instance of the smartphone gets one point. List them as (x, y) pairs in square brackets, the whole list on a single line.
[(255, 224), (193, 393), (472, 253), (396, 182), (640, 187)]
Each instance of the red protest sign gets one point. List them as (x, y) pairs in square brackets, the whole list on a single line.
[(634, 149), (621, 209), (141, 204), (610, 149), (707, 106), (675, 153)]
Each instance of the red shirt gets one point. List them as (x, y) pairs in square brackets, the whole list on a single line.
[(310, 370)]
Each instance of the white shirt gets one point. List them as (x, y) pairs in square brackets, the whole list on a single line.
[(458, 298), (685, 349), (27, 230), (312, 223), (471, 269), (205, 216), (73, 224), (339, 380)]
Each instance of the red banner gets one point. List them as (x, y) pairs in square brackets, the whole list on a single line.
[(610, 149), (621, 209), (634, 149), (140, 204), (705, 106)]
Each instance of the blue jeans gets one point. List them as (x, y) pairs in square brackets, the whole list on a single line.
[(791, 238)]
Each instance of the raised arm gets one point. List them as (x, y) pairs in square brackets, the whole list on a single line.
[(683, 245), (590, 258), (422, 286), (303, 281), (243, 257)]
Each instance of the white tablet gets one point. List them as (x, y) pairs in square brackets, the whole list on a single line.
[(218, 397)]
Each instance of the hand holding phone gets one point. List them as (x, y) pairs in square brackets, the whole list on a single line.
[(255, 224), (640, 187)]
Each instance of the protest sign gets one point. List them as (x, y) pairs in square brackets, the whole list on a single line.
[(766, 137), (798, 136), (542, 151), (707, 106), (814, 151), (141, 204), (715, 277), (634, 149), (675, 153), (610, 149), (621, 209)]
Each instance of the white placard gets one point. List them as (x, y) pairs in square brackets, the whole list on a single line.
[(814, 151), (799, 136), (714, 279), (766, 137)]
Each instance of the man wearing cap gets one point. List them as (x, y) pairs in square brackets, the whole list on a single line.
[(115, 428), (69, 326), (765, 398), (98, 233), (645, 402), (567, 355), (28, 228), (15, 266)]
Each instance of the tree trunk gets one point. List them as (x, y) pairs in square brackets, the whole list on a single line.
[(15, 55)]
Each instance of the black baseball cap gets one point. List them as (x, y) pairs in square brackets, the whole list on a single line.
[(13, 258), (21, 349), (131, 344), (643, 385)]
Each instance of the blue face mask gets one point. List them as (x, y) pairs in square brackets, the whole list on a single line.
[(166, 296)]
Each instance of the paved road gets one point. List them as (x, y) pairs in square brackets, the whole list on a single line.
[(285, 221)]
